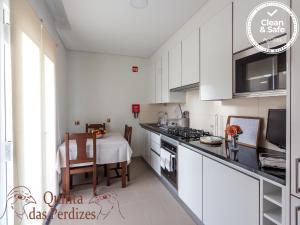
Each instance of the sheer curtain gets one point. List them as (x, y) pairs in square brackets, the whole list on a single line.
[(33, 72)]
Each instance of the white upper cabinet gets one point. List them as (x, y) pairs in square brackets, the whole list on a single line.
[(216, 57), (190, 179), (158, 81), (295, 111), (151, 82), (242, 9), (229, 197), (190, 59), (166, 95), (165, 78), (175, 67)]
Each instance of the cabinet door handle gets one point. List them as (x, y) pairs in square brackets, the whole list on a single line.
[(297, 175), (297, 209)]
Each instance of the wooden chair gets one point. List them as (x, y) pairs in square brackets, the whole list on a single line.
[(75, 166), (120, 166), (127, 136), (95, 126)]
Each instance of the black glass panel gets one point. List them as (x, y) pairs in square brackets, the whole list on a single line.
[(260, 72)]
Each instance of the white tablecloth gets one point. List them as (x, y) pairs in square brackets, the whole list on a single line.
[(112, 148)]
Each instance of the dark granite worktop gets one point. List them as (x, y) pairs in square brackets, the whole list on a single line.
[(246, 158)]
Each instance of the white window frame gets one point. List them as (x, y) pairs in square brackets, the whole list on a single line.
[(5, 107)]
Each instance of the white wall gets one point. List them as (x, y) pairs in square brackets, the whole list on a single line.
[(102, 86)]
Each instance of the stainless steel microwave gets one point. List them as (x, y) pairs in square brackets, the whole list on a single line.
[(259, 74)]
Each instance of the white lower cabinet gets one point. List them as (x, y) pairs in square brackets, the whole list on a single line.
[(295, 211), (155, 162), (229, 197), (190, 179), (146, 153), (155, 138)]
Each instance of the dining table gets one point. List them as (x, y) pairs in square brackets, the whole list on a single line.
[(111, 148)]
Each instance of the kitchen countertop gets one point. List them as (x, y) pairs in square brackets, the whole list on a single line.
[(246, 158)]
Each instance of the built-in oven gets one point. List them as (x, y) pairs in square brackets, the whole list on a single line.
[(168, 157), (257, 73)]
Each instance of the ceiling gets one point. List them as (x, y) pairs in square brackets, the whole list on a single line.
[(113, 26)]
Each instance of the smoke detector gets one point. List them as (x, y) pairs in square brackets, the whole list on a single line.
[(139, 4)]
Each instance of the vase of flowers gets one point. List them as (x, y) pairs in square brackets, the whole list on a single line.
[(234, 131)]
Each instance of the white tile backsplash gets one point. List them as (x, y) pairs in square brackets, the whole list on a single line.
[(212, 115)]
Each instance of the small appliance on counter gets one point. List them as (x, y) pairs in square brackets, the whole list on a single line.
[(162, 118), (184, 121)]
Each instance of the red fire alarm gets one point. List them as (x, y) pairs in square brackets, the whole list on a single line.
[(136, 110), (135, 69)]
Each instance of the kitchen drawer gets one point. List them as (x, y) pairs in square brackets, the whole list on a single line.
[(155, 147), (155, 138), (155, 162)]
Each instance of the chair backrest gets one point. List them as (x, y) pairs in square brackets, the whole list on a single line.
[(81, 141), (128, 133), (95, 126)]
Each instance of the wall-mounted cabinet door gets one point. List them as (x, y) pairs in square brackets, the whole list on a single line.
[(165, 78), (151, 84), (175, 66), (216, 57), (190, 59), (242, 9), (158, 81), (295, 111), (229, 197), (190, 179)]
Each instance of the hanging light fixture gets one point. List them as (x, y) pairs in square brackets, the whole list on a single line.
[(139, 4)]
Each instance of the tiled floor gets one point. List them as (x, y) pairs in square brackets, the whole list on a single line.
[(145, 201)]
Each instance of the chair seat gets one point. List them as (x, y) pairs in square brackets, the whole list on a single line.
[(81, 165), (79, 170)]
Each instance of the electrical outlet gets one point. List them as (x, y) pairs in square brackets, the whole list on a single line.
[(77, 122)]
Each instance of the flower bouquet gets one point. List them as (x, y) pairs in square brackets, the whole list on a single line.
[(234, 131)]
